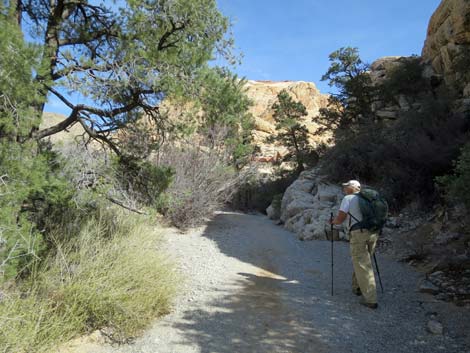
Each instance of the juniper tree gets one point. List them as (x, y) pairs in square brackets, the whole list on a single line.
[(27, 183), (291, 133)]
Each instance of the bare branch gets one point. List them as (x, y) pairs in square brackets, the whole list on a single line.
[(119, 203), (99, 137)]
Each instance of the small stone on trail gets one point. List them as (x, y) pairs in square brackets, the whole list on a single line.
[(436, 274), (428, 287), (435, 327)]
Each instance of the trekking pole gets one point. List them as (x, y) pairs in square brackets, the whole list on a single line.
[(332, 263), (378, 272)]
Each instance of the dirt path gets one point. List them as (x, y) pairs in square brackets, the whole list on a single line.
[(251, 286)]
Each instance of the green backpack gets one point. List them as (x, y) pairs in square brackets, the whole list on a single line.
[(374, 210)]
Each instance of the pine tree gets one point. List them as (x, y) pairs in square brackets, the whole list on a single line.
[(123, 59), (291, 132), (349, 107)]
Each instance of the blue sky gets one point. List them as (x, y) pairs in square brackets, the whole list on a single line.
[(291, 40)]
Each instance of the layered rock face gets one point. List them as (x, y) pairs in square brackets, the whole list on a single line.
[(380, 70), (447, 37), (264, 95)]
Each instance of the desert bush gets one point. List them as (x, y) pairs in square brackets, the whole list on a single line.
[(110, 276), (203, 181), (456, 186)]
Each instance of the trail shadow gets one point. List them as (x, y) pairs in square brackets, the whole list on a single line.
[(280, 306), (255, 319)]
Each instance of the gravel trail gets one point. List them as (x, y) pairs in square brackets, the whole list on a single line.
[(251, 286)]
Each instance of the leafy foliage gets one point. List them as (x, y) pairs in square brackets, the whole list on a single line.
[(291, 132), (401, 157), (224, 107), (457, 185), (123, 60), (28, 185), (143, 179), (350, 107), (405, 79)]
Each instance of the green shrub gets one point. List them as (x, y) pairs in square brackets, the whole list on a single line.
[(402, 159), (457, 185), (406, 78), (30, 191), (120, 282), (144, 180)]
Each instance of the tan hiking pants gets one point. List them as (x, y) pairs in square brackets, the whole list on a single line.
[(362, 249)]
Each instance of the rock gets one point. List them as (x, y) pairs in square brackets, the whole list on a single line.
[(436, 274), (435, 327), (298, 206), (307, 204), (327, 193), (466, 91), (448, 32), (460, 261), (446, 238), (428, 287), (386, 114), (403, 103), (273, 212), (264, 95), (393, 222), (443, 296), (380, 68)]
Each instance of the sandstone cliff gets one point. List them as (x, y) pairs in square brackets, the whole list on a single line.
[(448, 37), (264, 95)]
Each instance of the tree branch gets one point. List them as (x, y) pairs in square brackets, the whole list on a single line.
[(174, 28), (119, 203), (99, 137)]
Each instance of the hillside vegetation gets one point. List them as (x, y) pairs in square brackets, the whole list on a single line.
[(81, 194)]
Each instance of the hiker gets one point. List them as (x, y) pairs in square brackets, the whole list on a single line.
[(362, 242)]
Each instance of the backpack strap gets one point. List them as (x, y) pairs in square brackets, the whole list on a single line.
[(351, 216)]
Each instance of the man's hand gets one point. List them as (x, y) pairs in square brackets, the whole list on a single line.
[(340, 218)]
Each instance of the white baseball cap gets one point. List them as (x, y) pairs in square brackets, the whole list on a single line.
[(352, 183)]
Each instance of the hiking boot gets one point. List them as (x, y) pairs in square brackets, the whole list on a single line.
[(369, 305), (357, 291)]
